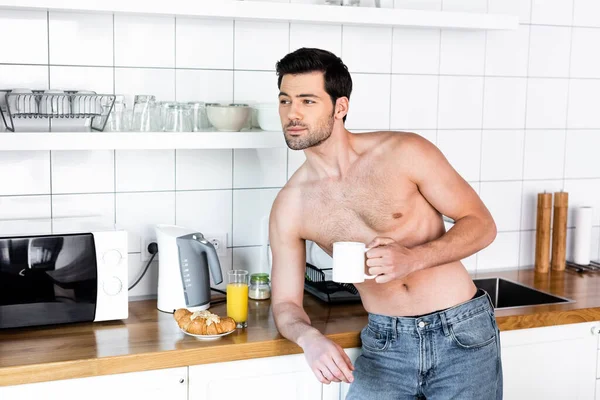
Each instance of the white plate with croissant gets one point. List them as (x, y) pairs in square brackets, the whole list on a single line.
[(207, 337), (203, 325)]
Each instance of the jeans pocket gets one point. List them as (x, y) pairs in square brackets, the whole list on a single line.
[(474, 332), (374, 339)]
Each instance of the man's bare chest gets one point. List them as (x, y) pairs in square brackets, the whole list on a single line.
[(357, 211)]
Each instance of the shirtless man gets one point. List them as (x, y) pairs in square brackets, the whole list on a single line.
[(431, 332)]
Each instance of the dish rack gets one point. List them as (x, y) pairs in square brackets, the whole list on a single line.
[(315, 283), (64, 105)]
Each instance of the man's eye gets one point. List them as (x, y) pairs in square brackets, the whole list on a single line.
[(284, 102), (309, 102)]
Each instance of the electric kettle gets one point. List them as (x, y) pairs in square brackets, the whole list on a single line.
[(184, 260)]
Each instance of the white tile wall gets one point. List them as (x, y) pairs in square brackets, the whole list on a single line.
[(77, 78), (586, 13), (460, 102), (90, 171), (25, 172), (551, 12), (504, 103), (546, 103), (414, 102), (515, 113), (209, 86), (144, 170), (544, 154), (204, 43), (90, 34), (502, 155), (203, 169), (31, 48), (462, 52), (248, 54), (257, 168), (144, 41), (326, 37), (416, 51), (585, 63), (507, 53), (367, 49), (549, 51)]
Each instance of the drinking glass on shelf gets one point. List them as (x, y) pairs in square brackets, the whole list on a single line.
[(143, 108), (178, 118), (119, 119), (199, 117), (237, 297)]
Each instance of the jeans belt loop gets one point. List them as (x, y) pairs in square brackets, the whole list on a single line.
[(444, 324)]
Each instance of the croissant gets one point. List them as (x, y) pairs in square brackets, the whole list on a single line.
[(203, 322)]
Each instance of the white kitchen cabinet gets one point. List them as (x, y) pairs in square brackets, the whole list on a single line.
[(148, 385), (556, 362), (271, 378), (338, 391)]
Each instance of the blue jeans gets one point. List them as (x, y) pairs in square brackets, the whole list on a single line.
[(449, 354)]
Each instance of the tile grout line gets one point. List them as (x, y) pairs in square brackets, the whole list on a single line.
[(525, 133), (175, 94), (175, 58), (481, 123), (437, 111), (391, 79), (566, 131), (114, 151), (114, 70), (582, 78), (49, 126), (233, 150)]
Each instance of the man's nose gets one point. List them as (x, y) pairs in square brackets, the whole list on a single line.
[(294, 113)]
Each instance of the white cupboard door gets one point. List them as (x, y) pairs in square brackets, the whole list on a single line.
[(148, 385), (338, 391), (271, 378), (550, 363)]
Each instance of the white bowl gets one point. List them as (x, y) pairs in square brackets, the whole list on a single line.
[(268, 117), (228, 118)]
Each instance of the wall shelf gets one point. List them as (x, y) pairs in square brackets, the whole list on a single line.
[(289, 12), (11, 141)]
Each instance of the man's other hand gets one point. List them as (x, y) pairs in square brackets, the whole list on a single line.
[(327, 359)]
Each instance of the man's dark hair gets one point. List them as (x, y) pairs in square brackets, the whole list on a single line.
[(338, 82)]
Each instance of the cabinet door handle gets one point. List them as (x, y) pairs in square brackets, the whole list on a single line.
[(181, 380), (596, 330)]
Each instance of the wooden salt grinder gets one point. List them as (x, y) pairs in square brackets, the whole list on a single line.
[(542, 232), (559, 231)]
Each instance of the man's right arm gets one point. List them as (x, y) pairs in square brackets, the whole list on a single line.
[(327, 359)]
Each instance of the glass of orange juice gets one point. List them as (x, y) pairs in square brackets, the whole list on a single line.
[(237, 297)]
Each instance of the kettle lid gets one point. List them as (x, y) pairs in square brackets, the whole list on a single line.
[(174, 230)]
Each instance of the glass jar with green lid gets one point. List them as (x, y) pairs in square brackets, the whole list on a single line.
[(259, 288)]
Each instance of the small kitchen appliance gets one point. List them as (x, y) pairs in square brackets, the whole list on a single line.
[(57, 278), (184, 260)]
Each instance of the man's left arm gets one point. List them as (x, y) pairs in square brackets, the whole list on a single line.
[(440, 184)]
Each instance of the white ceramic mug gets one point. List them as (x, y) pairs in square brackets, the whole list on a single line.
[(349, 262)]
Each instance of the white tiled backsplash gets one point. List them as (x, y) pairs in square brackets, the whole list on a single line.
[(515, 112)]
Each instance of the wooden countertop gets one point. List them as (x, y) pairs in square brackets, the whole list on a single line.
[(150, 339)]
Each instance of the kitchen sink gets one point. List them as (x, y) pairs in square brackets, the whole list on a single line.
[(508, 294)]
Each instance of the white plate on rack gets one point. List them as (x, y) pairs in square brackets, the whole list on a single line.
[(207, 337)]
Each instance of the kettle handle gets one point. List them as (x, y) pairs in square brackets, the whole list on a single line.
[(213, 260)]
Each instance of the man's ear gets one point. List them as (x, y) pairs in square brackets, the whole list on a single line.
[(341, 108)]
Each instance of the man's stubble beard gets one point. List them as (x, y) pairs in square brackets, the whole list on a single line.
[(312, 137)]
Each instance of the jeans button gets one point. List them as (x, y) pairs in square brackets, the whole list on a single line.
[(421, 324)]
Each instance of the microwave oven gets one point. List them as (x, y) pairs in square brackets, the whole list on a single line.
[(63, 278)]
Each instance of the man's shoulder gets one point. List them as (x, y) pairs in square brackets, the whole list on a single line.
[(389, 143)]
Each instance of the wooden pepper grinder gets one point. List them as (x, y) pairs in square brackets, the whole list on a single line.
[(542, 232), (559, 231)]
